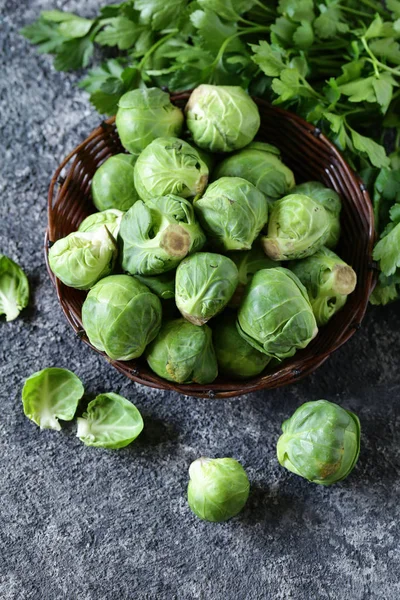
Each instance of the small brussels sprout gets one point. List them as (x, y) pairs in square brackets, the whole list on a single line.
[(170, 166), (82, 258), (156, 236), (110, 421), (144, 115), (275, 316), (184, 353), (113, 183), (111, 218), (260, 164), (235, 357), (218, 488), (320, 442), (121, 316), (204, 284), (328, 281), (162, 285), (330, 200), (221, 118), (248, 263), (233, 212), (14, 288), (297, 227)]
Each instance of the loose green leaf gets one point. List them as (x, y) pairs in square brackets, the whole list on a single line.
[(386, 48), (387, 251), (159, 13), (376, 153), (330, 22), (120, 32), (14, 288), (383, 88), (45, 35), (227, 9), (303, 37), (213, 32), (75, 28), (269, 58), (74, 54), (394, 6), (298, 10)]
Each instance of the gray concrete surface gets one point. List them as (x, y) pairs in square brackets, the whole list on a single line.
[(85, 524)]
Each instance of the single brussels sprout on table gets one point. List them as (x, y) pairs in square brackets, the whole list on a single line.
[(330, 200), (121, 316), (233, 212), (320, 442), (110, 421), (111, 218), (328, 281), (113, 183), (155, 236), (82, 258), (14, 288), (184, 353), (51, 394), (218, 488), (221, 118), (236, 357), (275, 316), (170, 166), (144, 115), (297, 227), (204, 284), (162, 285), (248, 263), (260, 164)]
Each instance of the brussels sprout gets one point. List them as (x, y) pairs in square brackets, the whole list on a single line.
[(320, 442), (218, 488), (110, 421), (260, 164), (184, 353), (121, 316), (235, 356), (249, 263), (297, 227), (328, 281), (204, 284), (275, 316), (233, 212), (170, 166), (111, 218), (144, 115), (51, 394), (330, 200), (157, 235), (14, 288), (81, 259), (113, 183), (221, 118), (162, 285)]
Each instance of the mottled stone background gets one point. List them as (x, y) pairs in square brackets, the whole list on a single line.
[(86, 524)]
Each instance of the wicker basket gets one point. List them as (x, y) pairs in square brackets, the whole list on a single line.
[(311, 156)]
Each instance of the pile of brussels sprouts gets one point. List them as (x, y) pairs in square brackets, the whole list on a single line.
[(183, 259)]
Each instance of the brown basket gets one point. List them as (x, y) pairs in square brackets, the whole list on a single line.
[(312, 157)]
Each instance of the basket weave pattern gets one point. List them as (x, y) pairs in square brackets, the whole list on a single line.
[(312, 157)]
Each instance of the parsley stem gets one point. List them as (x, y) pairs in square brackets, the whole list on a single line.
[(266, 8), (375, 6), (353, 11), (154, 47), (372, 55), (252, 23), (229, 39)]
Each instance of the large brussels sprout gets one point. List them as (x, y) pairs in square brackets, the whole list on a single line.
[(297, 227), (328, 281), (320, 442), (236, 357), (184, 353), (121, 316), (111, 218), (113, 183), (82, 258), (144, 115), (221, 118), (275, 316), (204, 284), (233, 212), (162, 285), (260, 164), (218, 488), (248, 263), (170, 166), (157, 235), (14, 288), (330, 200)]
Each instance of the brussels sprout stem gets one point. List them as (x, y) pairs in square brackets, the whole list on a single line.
[(175, 241), (345, 280)]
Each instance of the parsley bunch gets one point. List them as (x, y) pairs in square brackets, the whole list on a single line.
[(334, 62)]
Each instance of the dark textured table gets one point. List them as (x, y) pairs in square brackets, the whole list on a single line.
[(88, 524)]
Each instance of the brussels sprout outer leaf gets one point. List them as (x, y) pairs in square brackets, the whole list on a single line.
[(320, 442), (51, 394), (14, 288), (111, 218), (113, 183), (330, 200), (110, 421), (218, 488)]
